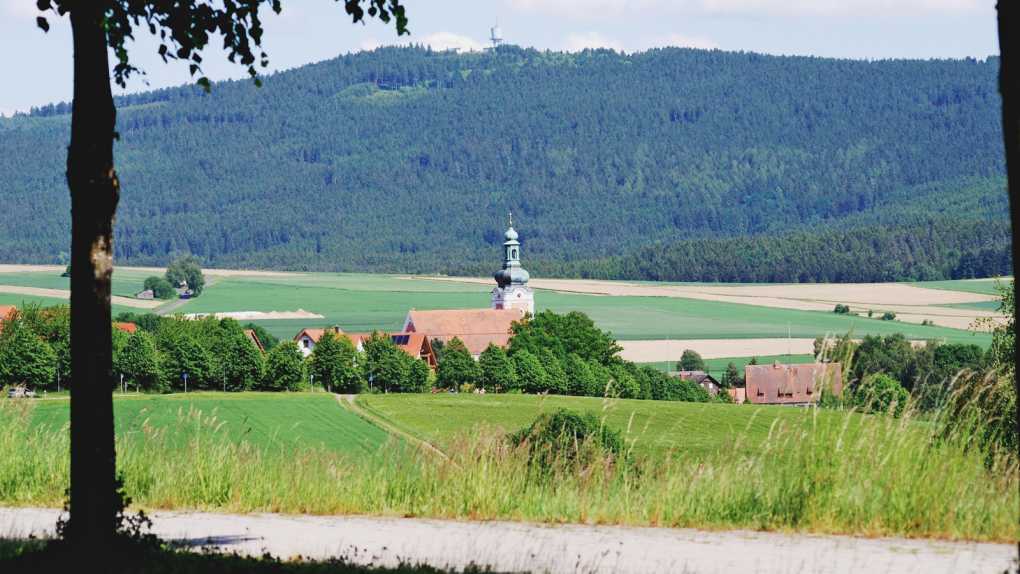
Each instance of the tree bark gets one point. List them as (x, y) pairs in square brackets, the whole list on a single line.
[(1009, 87), (94, 500)]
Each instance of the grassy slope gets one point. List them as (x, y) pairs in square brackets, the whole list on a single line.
[(651, 426), (286, 420)]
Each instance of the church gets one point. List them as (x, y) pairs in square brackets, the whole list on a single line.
[(512, 300)]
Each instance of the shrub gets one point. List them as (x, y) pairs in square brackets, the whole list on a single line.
[(140, 363), (25, 359), (881, 393), (457, 367), (186, 269), (531, 376), (567, 439), (841, 309), (497, 370), (888, 316), (285, 369), (161, 288), (690, 361)]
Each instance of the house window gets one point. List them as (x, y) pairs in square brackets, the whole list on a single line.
[(306, 341)]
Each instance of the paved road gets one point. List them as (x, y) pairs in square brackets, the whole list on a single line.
[(507, 546)]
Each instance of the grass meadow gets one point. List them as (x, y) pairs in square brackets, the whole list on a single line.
[(727, 467), (281, 420)]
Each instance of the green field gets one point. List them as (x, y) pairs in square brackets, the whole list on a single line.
[(716, 367), (695, 429), (278, 420), (362, 302), (126, 282), (366, 302), (984, 286)]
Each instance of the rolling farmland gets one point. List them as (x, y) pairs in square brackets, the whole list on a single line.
[(756, 319)]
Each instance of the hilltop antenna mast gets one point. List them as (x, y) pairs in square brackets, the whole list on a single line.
[(495, 36)]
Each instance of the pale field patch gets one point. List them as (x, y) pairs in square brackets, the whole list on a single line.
[(66, 295)]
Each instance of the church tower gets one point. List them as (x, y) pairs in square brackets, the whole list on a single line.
[(512, 291)]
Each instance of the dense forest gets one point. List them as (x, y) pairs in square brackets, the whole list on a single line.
[(672, 164)]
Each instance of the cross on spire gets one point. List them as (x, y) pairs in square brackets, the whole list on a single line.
[(511, 213)]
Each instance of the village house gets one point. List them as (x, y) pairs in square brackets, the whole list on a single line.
[(702, 379), (254, 338), (7, 313), (416, 345), (477, 328), (129, 328), (791, 384)]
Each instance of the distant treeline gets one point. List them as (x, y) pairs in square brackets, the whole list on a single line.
[(672, 163)]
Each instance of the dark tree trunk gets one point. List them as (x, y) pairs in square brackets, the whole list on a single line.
[(1009, 86), (94, 501)]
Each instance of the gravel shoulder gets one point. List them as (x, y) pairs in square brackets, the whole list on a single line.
[(507, 546)]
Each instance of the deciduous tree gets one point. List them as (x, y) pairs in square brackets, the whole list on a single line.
[(185, 29)]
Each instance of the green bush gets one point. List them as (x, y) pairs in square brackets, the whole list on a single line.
[(881, 393), (161, 288), (841, 309), (888, 316), (566, 439)]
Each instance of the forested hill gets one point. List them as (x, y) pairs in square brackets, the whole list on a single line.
[(670, 164)]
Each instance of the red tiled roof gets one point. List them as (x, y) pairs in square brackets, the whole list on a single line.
[(126, 327), (254, 338), (779, 384), (477, 328), (7, 312), (316, 334)]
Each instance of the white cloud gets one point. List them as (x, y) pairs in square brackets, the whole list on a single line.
[(608, 9), (838, 7), (23, 10), (680, 41), (578, 42), (450, 41)]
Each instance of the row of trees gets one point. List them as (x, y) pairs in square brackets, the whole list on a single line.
[(171, 353), (559, 354)]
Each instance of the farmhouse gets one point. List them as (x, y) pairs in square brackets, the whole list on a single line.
[(417, 345), (791, 384), (254, 338), (701, 378), (307, 338)]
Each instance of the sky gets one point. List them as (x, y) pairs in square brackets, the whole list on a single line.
[(36, 67)]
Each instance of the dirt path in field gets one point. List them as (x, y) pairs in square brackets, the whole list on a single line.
[(350, 403), (910, 303), (66, 295), (671, 349), (520, 547)]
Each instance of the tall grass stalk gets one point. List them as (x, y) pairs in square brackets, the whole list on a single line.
[(870, 475)]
